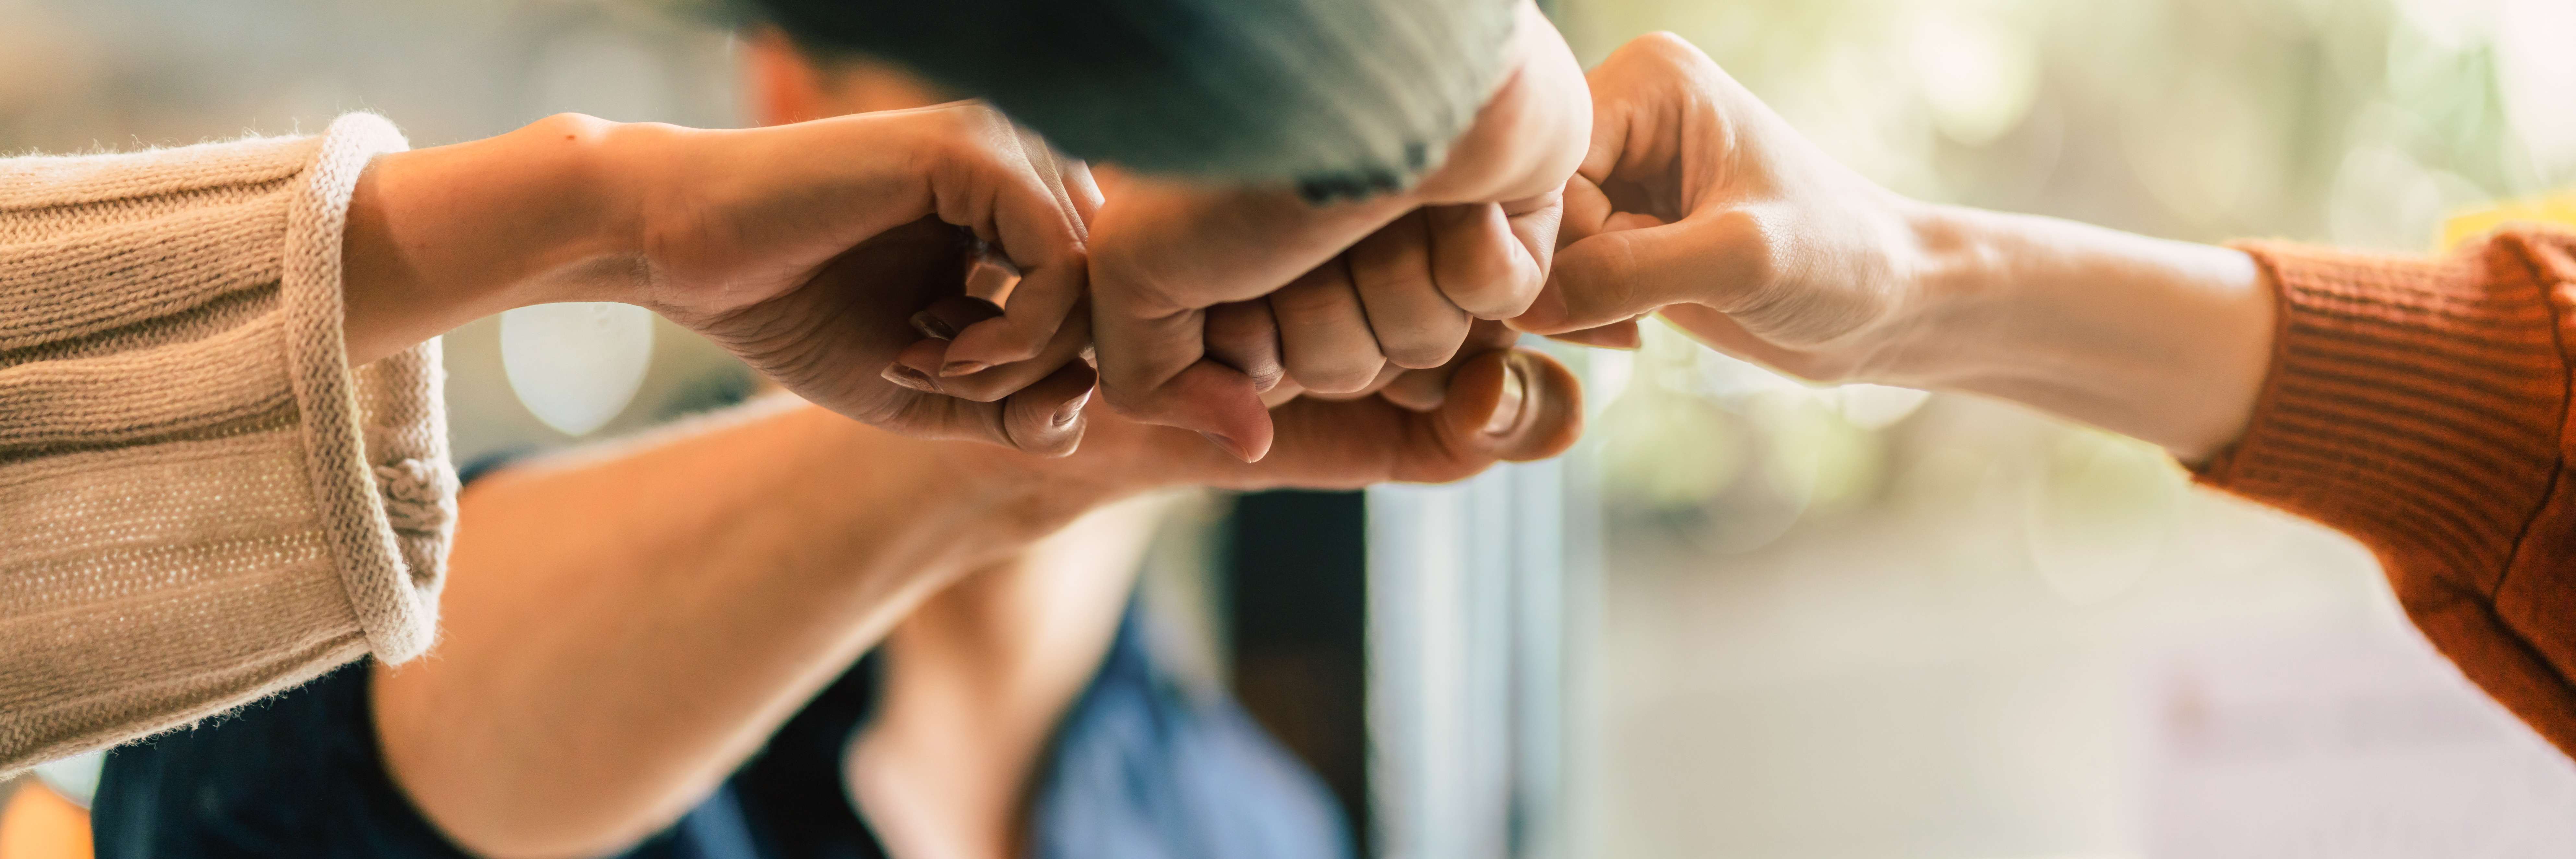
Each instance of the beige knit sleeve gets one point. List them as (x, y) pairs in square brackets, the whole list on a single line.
[(200, 502)]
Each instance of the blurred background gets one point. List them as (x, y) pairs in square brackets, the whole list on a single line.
[(1794, 622)]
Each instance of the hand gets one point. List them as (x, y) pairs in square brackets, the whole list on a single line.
[(763, 262), (1493, 403), (1203, 298), (802, 248), (1700, 203)]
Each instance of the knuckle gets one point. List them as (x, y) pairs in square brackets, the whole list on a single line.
[(1664, 44), (1391, 274), (1749, 245), (1311, 300), (1339, 377), (1489, 288), (1422, 355), (1127, 401)]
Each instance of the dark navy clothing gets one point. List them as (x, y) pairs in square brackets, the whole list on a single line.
[(1142, 768)]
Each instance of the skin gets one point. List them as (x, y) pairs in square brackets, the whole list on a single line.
[(1202, 299), (744, 562), (1699, 203), (1205, 298), (741, 235), (751, 563)]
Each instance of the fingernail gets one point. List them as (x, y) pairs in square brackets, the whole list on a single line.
[(933, 327), (1066, 414), (911, 378), (961, 368), (1507, 411), (1228, 446)]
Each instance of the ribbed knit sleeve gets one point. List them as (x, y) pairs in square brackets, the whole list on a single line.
[(201, 503), (1345, 98), (2422, 407)]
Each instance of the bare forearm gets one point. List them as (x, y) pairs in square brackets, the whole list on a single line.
[(2164, 341), (978, 679), (442, 236), (713, 583)]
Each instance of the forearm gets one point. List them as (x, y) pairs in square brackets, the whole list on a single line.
[(2164, 341), (623, 633), (978, 679), (443, 236)]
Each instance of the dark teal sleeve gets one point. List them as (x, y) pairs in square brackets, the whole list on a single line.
[(1343, 98)]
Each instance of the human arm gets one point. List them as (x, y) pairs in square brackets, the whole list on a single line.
[(1699, 203), (2415, 404), (974, 685), (729, 232), (215, 394), (753, 562)]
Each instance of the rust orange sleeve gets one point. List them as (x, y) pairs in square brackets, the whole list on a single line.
[(2421, 405)]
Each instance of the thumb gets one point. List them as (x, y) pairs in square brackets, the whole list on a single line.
[(1620, 275)]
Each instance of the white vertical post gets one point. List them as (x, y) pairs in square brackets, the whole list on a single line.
[(1478, 593)]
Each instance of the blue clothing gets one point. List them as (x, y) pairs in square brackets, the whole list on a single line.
[(1141, 768)]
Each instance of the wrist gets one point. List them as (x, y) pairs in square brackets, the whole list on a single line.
[(581, 177), (443, 236), (2164, 341)]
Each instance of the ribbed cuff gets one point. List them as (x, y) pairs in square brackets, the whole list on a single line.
[(2418, 406), (375, 437), (2414, 403)]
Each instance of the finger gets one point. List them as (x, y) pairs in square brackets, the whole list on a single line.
[(916, 366), (1082, 187), (1420, 390), (1047, 417), (1535, 222), (1034, 420), (994, 384), (1586, 213), (1036, 309), (1055, 170), (1385, 376), (1154, 368), (1511, 405), (1243, 335), (1478, 262), (1324, 336), (906, 368), (1518, 405), (1287, 390), (1622, 275), (989, 278), (951, 314), (1424, 390), (1028, 211), (1622, 336), (1416, 326)]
